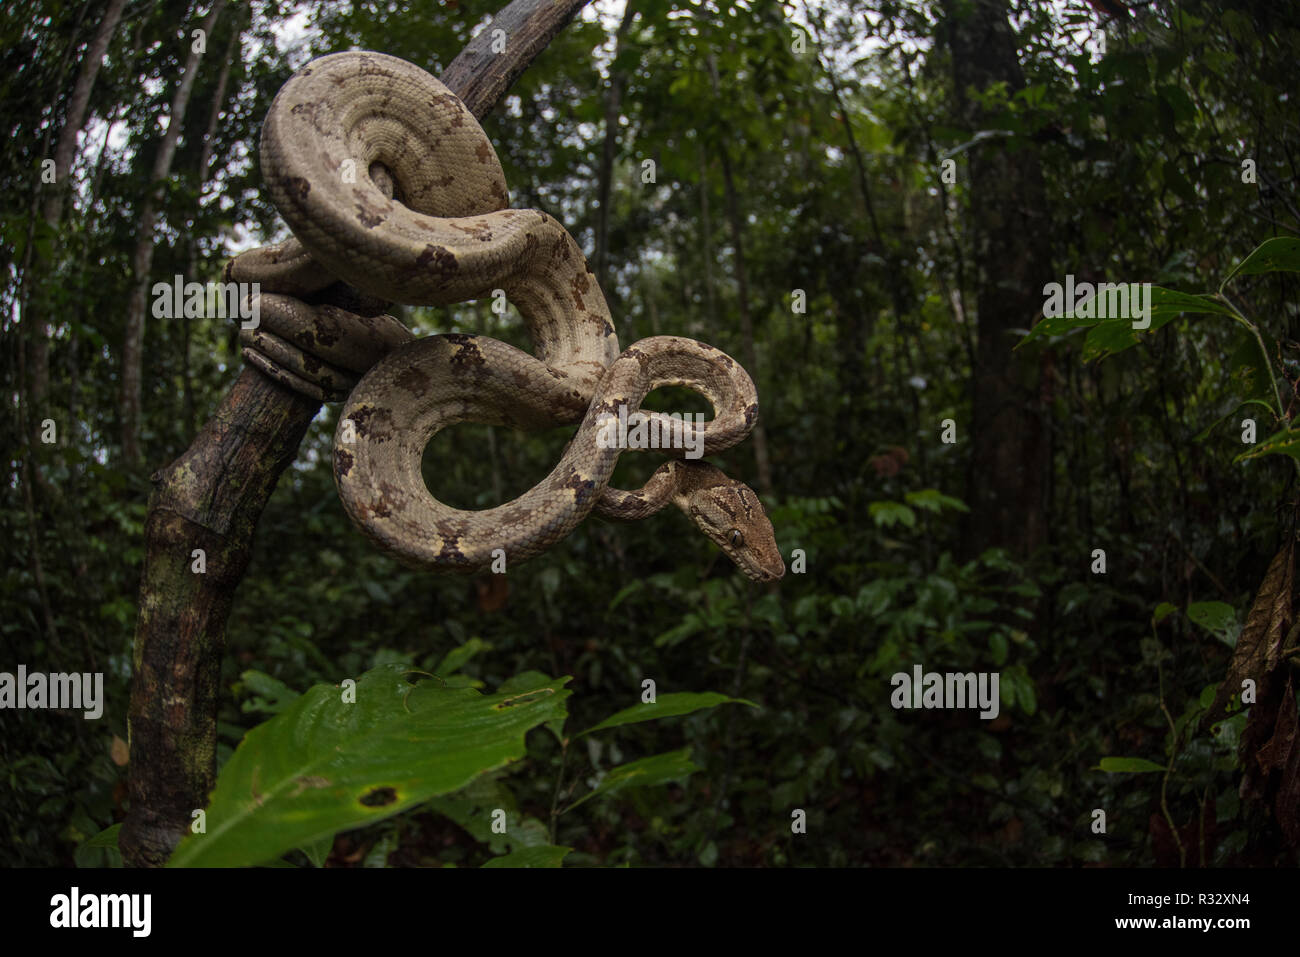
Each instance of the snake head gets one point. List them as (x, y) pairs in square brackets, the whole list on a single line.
[(733, 517)]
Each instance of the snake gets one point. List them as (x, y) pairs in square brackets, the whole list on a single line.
[(393, 192)]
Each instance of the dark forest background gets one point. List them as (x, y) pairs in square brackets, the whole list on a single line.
[(805, 219)]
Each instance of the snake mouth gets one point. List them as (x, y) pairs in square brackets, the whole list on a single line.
[(768, 572)]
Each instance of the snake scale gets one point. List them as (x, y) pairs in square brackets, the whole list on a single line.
[(393, 192)]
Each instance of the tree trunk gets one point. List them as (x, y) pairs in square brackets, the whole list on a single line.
[(212, 497), (64, 152), (142, 258), (706, 244), (1010, 232), (759, 435), (612, 101), (747, 352), (205, 166)]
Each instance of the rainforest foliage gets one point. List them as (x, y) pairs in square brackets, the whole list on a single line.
[(861, 202)]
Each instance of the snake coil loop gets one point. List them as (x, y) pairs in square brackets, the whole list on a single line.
[(389, 184)]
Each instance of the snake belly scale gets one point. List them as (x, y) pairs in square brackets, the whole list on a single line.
[(389, 184)]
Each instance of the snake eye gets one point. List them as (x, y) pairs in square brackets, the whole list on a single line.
[(736, 538)]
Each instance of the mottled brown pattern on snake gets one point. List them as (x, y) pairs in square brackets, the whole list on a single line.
[(443, 235)]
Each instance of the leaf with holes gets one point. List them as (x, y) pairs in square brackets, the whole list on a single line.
[(326, 765)]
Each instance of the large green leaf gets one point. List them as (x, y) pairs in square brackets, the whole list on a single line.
[(325, 765), (1280, 254), (665, 706), (658, 769)]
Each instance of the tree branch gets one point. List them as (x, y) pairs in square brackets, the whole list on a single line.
[(211, 498)]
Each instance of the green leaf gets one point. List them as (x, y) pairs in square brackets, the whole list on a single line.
[(1111, 336), (1252, 375), (472, 807), (547, 856), (457, 657), (524, 681), (1028, 697), (1163, 611), (527, 681), (690, 625), (658, 769), (1128, 765), (1285, 442), (318, 851), (1205, 432), (1055, 326), (1216, 617), (998, 647), (100, 850), (932, 500), (709, 856), (630, 588), (270, 695), (1168, 304), (325, 765), (886, 514), (1179, 102), (1280, 254), (377, 856), (665, 706), (1115, 335)]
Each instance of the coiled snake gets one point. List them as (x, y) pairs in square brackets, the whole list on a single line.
[(390, 185)]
